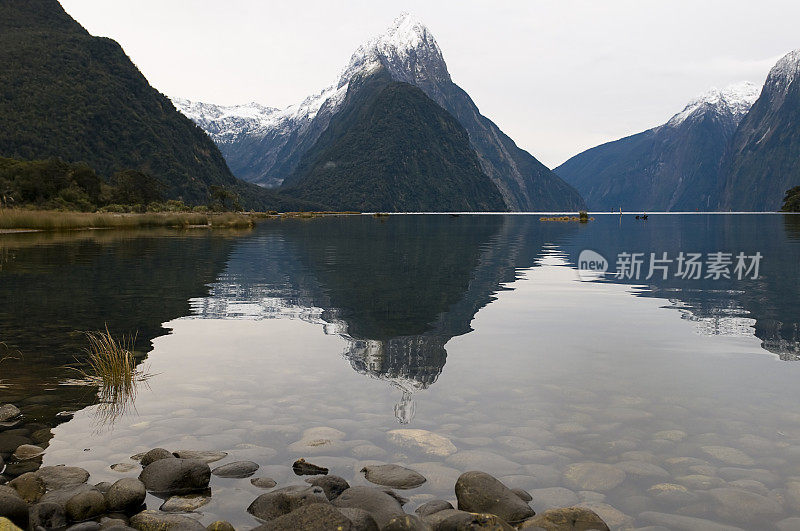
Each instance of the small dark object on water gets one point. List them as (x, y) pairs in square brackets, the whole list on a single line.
[(303, 468), (454, 215)]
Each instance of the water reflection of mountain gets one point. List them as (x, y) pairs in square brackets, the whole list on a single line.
[(768, 307), (54, 287), (397, 289)]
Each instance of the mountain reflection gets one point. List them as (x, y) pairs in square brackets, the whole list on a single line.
[(767, 307), (397, 289)]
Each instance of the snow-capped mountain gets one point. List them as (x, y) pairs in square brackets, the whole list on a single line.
[(266, 149), (672, 167), (735, 99), (761, 161)]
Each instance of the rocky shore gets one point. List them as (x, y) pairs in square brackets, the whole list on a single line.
[(62, 497)]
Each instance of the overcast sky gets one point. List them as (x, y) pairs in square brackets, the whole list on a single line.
[(558, 76)]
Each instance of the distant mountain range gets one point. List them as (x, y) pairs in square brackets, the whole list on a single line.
[(66, 94), (731, 149), (265, 145)]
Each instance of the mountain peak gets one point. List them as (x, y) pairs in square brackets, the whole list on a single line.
[(736, 99), (786, 70), (407, 49)]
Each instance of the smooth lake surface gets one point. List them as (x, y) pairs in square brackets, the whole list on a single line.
[(641, 399)]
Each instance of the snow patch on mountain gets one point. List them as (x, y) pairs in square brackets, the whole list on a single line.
[(735, 99), (786, 70)]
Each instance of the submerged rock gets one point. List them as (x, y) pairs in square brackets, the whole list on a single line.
[(237, 469), (158, 521), (175, 476), (333, 486), (593, 476), (301, 467), (567, 518), (406, 522), (285, 500), (744, 506), (184, 504), (728, 455), (523, 495), (679, 522), (263, 483), (123, 467), (478, 492), (395, 476), (220, 525), (316, 516), (423, 441), (206, 457)]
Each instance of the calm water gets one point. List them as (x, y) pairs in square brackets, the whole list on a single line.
[(476, 328)]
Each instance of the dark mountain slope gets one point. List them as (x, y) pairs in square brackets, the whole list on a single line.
[(672, 167), (763, 159), (391, 148), (65, 94)]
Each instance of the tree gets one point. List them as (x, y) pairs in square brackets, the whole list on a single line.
[(131, 187), (791, 203)]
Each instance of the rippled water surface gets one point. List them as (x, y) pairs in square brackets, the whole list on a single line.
[(646, 400)]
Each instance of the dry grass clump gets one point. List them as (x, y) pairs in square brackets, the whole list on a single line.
[(50, 220), (111, 365)]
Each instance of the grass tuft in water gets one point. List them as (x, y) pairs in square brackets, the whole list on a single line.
[(111, 365)]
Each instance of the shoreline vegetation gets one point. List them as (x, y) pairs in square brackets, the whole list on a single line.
[(25, 220)]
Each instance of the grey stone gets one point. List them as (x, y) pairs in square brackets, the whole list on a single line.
[(523, 495), (789, 524), (86, 505), (433, 506), (158, 521), (378, 503), (237, 469), (126, 495), (59, 477), (766, 477), (62, 496), (85, 526), (154, 455), (478, 492), (407, 522), (567, 518), (28, 451), (30, 487), (123, 467), (317, 516), (285, 500), (423, 441), (220, 525), (263, 483), (333, 486), (48, 515), (395, 476), (301, 467), (9, 412), (15, 509), (175, 476), (360, 519), (10, 442)]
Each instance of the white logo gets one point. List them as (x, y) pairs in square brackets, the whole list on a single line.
[(591, 265)]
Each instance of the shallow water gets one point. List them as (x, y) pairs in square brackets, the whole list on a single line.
[(635, 397)]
